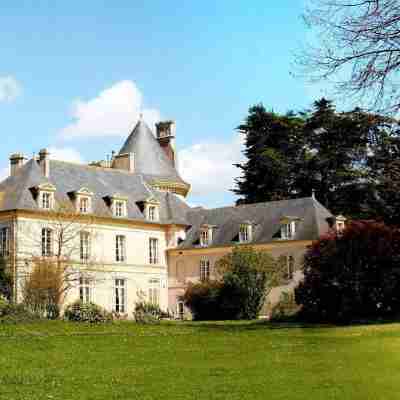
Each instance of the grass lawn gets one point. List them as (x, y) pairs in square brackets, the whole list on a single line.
[(58, 360)]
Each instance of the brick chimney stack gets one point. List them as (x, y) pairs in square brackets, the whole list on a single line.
[(44, 162), (16, 162), (166, 138)]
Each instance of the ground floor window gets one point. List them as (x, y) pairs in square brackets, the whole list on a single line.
[(180, 309), (204, 270), (85, 289), (154, 291), (120, 295)]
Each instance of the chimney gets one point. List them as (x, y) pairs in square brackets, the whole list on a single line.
[(166, 138), (16, 162), (125, 162), (44, 162)]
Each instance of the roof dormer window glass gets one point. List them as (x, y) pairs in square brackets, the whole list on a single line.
[(120, 208), (152, 213), (245, 233), (84, 205), (205, 236), (46, 201), (288, 230)]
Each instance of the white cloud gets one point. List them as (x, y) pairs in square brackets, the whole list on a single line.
[(112, 113), (208, 166), (65, 154), (10, 89)]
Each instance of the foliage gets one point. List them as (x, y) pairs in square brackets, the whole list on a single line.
[(358, 46), (352, 276), (148, 313), (44, 288), (286, 308), (203, 300), (5, 279), (86, 312), (4, 306), (246, 276), (346, 157), (15, 313)]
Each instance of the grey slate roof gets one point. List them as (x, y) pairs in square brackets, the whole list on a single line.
[(149, 158), (67, 177), (266, 218)]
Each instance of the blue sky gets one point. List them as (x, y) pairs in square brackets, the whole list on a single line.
[(75, 75)]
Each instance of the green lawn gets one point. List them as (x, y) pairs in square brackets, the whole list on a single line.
[(57, 360)]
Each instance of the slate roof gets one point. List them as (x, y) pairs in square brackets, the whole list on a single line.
[(67, 177), (266, 218), (149, 158)]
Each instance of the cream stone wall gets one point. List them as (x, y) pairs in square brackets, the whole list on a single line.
[(102, 267), (184, 267)]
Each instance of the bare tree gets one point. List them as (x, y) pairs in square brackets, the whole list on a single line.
[(358, 46), (56, 260)]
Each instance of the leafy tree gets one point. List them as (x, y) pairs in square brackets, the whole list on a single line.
[(359, 46), (353, 275), (245, 278), (271, 143)]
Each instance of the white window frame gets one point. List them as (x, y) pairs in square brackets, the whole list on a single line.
[(154, 291), (120, 297), (204, 269), (288, 230), (46, 200), (47, 242), (5, 242), (290, 266), (120, 248), (119, 208), (205, 237), (152, 213), (153, 250), (245, 232), (84, 205), (84, 246), (85, 289)]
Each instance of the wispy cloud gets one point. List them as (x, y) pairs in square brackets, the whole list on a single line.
[(112, 113), (10, 89)]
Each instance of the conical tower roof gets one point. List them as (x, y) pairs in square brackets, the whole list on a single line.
[(151, 161)]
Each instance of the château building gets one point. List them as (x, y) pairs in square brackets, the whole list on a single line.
[(124, 229)]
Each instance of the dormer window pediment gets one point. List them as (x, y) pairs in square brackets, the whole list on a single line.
[(118, 204), (150, 208)]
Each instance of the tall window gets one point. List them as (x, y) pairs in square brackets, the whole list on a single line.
[(4, 242), (85, 290), (47, 242), (85, 246), (154, 291), (46, 200), (152, 210), (204, 270), (153, 251), (120, 248), (120, 208), (288, 230), (84, 205), (289, 267), (120, 296)]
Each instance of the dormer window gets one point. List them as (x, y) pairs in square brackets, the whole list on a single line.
[(44, 195), (289, 227), (206, 235), (152, 213), (84, 205), (47, 200), (120, 208), (340, 224), (150, 208), (245, 232)]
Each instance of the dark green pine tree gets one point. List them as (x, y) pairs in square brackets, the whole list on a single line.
[(271, 143)]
